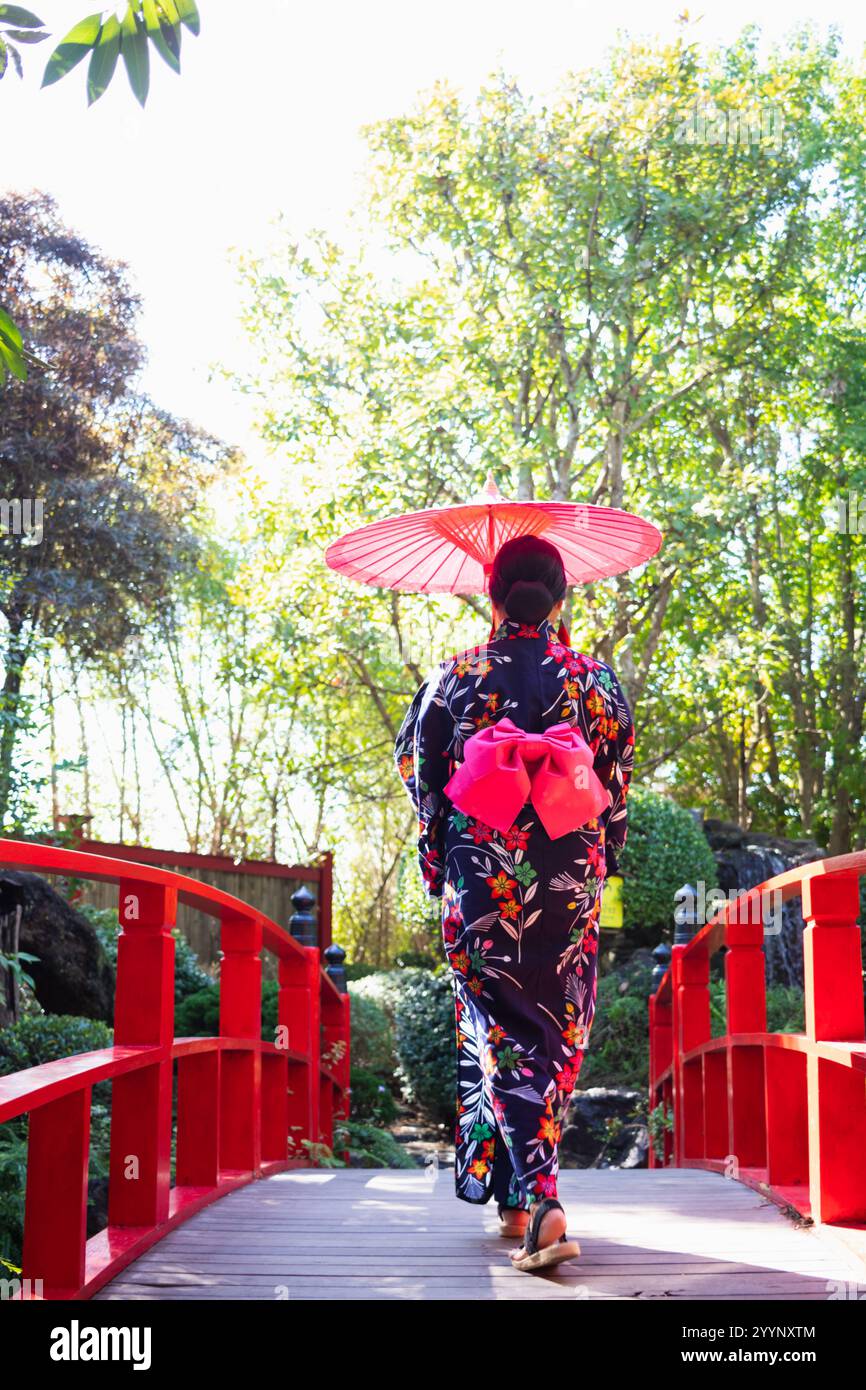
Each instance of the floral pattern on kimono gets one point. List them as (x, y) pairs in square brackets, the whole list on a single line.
[(519, 910)]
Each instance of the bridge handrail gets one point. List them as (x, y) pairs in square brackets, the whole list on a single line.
[(785, 1113), (246, 1108)]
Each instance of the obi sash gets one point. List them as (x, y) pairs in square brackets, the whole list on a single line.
[(504, 767)]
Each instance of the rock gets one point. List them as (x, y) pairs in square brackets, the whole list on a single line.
[(72, 974), (629, 1148), (601, 1130)]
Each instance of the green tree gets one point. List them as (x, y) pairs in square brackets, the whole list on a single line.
[(111, 480)]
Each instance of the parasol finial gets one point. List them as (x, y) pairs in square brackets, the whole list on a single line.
[(490, 491)]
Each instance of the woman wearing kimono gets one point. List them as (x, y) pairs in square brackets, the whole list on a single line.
[(504, 751)]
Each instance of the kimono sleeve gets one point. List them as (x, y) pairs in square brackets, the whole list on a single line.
[(422, 753), (614, 765)]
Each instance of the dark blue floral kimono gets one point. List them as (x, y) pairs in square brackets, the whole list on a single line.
[(519, 910)]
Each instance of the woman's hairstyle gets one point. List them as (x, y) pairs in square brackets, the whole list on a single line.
[(527, 579)]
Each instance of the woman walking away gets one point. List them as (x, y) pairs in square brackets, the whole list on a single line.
[(517, 756)]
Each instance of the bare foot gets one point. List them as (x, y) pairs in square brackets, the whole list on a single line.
[(553, 1225)]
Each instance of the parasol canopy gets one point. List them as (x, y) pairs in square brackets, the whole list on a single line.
[(450, 550)]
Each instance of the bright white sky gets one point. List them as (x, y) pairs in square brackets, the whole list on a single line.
[(265, 119)]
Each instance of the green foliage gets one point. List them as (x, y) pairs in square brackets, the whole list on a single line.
[(31, 1042), (665, 849), (372, 1046), (17, 26), (49, 1038), (189, 977), (198, 1015), (660, 1122), (384, 988), (370, 1147), (371, 1097), (270, 1004), (618, 1051), (418, 938), (425, 1042), (786, 1009), (105, 38), (13, 1182)]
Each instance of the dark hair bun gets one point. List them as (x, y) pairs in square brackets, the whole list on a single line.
[(528, 601)]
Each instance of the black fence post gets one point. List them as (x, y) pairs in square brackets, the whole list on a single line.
[(302, 923), (662, 958), (335, 967), (685, 914)]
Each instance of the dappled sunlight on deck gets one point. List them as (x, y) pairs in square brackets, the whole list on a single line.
[(362, 1234)]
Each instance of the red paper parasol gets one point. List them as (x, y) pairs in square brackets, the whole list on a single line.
[(450, 550)]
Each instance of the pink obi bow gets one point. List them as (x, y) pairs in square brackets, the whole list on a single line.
[(504, 767)]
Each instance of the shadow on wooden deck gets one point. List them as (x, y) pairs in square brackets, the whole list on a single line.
[(363, 1234)]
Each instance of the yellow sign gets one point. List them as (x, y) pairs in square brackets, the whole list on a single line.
[(611, 904)]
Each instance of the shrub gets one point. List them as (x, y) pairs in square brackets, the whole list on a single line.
[(786, 1009), (419, 931), (372, 1039), (189, 977), (385, 987), (618, 1050), (370, 1147), (48, 1038), (198, 1016), (371, 1098), (665, 849), (424, 1038), (270, 1002), (31, 1042)]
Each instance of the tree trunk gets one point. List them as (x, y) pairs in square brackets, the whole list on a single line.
[(10, 717)]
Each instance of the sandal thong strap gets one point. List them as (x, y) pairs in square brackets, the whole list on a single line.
[(539, 1211)]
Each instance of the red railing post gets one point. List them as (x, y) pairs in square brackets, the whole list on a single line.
[(223, 1136), (198, 1120), (690, 973), (241, 939), (140, 1164), (661, 1053), (314, 967), (833, 984), (746, 1010), (55, 1218), (298, 1015)]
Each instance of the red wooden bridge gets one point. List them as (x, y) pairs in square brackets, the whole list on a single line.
[(245, 1108), (783, 1115)]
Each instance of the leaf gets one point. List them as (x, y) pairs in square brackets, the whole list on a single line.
[(70, 51), (165, 39), (8, 329), (16, 59), (136, 55), (22, 19), (188, 15), (11, 359), (104, 60), (25, 36), (4, 57)]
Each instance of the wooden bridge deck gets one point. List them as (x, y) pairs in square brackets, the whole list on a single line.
[(392, 1234)]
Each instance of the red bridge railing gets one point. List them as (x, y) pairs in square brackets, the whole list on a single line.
[(782, 1112), (244, 1106)]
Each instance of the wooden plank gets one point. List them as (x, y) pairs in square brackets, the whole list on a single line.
[(361, 1234)]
